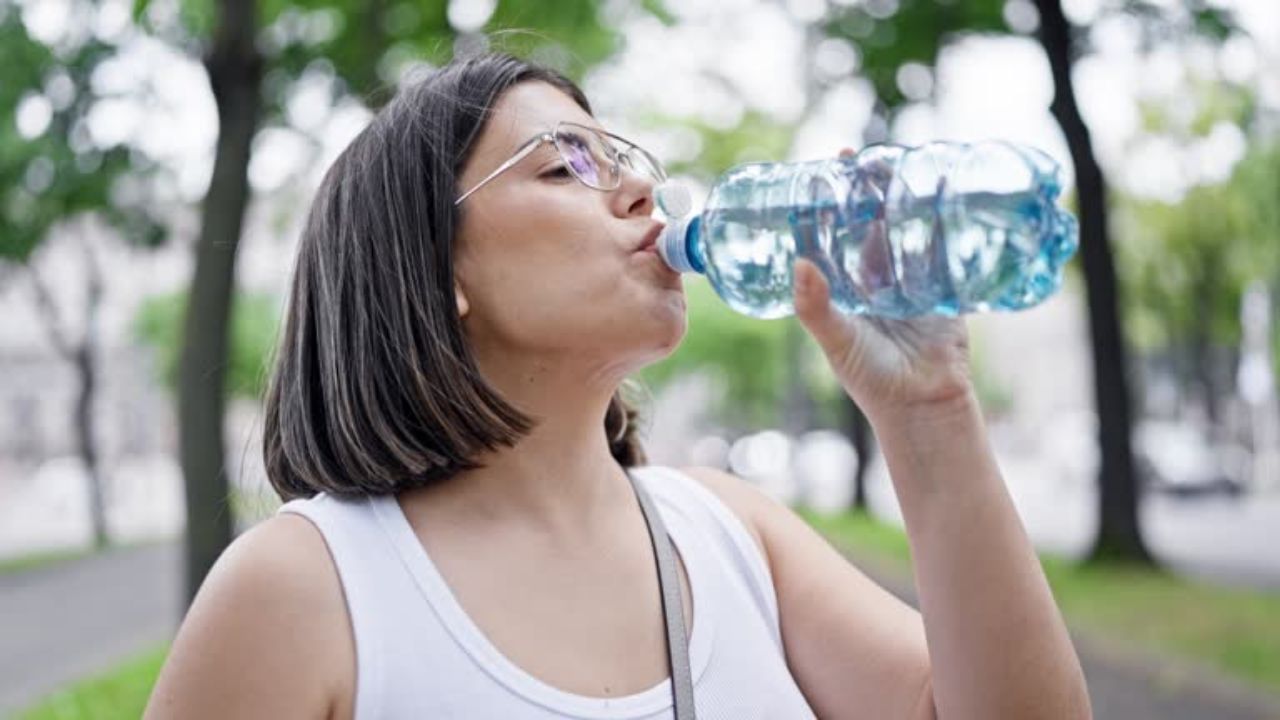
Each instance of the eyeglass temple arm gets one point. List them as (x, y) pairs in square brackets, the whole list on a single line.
[(520, 155)]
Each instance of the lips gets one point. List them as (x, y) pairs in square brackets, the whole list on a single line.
[(649, 243)]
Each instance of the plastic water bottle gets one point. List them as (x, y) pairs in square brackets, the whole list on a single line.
[(945, 228)]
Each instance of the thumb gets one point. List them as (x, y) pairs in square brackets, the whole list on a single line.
[(828, 326)]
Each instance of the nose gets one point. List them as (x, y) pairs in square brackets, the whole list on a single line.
[(634, 195)]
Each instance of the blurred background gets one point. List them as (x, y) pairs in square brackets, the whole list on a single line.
[(157, 158)]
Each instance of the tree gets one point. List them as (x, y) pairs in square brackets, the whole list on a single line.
[(54, 178), (81, 352), (1188, 264), (1119, 535), (894, 37), (235, 70)]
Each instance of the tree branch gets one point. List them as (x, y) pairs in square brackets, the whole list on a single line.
[(49, 314)]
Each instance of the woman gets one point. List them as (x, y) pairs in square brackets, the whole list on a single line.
[(475, 281)]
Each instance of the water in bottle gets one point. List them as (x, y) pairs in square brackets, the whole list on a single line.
[(944, 228)]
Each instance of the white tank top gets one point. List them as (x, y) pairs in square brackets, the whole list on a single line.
[(418, 654)]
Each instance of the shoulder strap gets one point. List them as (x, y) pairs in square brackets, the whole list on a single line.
[(672, 609)]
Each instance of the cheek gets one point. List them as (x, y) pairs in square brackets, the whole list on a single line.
[(541, 291)]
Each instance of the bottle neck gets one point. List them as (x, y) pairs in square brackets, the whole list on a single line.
[(680, 246)]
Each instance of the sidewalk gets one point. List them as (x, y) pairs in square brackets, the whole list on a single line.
[(70, 620)]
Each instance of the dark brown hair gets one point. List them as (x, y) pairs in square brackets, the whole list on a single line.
[(374, 388)]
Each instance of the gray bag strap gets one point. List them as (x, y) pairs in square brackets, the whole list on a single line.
[(672, 609)]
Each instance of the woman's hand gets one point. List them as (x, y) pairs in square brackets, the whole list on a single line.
[(889, 367)]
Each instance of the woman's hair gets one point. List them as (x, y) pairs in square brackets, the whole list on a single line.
[(375, 389)]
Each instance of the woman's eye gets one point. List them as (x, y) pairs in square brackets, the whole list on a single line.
[(559, 171)]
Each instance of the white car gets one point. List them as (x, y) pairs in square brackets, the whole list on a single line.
[(1179, 459)]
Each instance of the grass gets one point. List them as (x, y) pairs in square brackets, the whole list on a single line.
[(43, 558), (1234, 631), (119, 693), (48, 558)]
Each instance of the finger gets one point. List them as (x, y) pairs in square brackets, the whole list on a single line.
[(816, 313)]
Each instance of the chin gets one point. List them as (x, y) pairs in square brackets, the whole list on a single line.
[(674, 336), (661, 340)]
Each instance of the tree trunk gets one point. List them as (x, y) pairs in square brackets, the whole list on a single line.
[(1203, 359), (859, 432), (235, 71), (83, 359), (85, 446), (797, 410), (81, 354), (1119, 533)]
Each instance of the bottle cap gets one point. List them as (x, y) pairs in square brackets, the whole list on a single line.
[(673, 246), (673, 199)]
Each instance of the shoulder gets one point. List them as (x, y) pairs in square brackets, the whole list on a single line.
[(267, 634), (751, 506), (279, 561)]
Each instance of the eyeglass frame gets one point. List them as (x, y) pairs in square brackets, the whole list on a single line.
[(536, 142)]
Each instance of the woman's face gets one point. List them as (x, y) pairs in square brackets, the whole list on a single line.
[(547, 267)]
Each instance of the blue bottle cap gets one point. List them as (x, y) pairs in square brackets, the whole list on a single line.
[(673, 245)]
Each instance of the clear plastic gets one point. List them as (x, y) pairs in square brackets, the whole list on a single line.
[(944, 228)]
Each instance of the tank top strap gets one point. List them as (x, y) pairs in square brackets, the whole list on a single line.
[(678, 494), (351, 536)]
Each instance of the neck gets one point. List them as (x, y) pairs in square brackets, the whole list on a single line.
[(560, 478)]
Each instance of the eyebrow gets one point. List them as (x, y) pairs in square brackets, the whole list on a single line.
[(541, 150), (552, 128)]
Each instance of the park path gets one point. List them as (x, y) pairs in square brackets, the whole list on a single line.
[(71, 619)]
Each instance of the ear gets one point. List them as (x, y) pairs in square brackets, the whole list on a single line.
[(460, 298)]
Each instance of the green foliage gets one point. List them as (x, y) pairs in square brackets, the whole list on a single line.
[(993, 392), (1157, 23), (118, 694), (61, 172), (1256, 186), (749, 355), (566, 34), (756, 138), (1174, 263), (365, 44), (1186, 266), (254, 328), (1255, 182), (41, 559), (658, 9), (1216, 101), (916, 31)]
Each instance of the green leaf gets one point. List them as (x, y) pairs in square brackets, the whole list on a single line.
[(658, 9), (255, 325)]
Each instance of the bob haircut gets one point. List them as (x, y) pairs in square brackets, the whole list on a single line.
[(374, 389)]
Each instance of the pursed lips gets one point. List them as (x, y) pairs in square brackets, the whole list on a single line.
[(650, 241)]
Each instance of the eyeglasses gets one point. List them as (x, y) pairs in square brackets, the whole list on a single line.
[(595, 157)]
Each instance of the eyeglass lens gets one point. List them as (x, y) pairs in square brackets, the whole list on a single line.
[(589, 156), (643, 163)]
